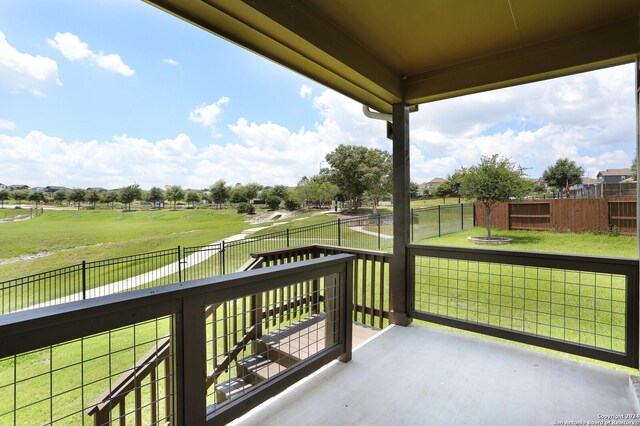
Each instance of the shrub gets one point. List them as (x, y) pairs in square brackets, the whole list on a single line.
[(246, 208), (273, 202), (291, 205)]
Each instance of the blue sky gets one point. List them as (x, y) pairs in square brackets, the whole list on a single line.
[(105, 93)]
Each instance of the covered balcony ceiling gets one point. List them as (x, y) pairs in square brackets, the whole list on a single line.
[(381, 52)]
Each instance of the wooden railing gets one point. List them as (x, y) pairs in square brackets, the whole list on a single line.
[(370, 277)]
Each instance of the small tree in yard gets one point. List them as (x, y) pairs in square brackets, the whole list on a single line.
[(60, 197), (494, 179), (107, 198), (36, 197), (4, 196), (443, 190), (219, 193)]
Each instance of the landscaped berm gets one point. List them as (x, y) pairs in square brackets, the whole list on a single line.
[(218, 331)]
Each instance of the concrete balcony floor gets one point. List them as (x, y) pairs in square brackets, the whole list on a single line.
[(423, 376)]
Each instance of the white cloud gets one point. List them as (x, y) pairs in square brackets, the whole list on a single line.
[(305, 91), (75, 49), (207, 115), (7, 124), (170, 61), (22, 71)]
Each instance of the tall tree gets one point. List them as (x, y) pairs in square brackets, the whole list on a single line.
[(92, 197), (494, 179), (563, 172), (109, 197), (4, 196), (175, 193), (219, 193), (36, 197), (192, 197), (77, 196), (20, 195), (155, 196), (129, 194), (414, 189), (455, 182), (355, 169), (443, 190), (60, 196), (377, 172)]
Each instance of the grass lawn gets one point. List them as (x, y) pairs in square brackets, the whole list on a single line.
[(67, 237), (547, 242)]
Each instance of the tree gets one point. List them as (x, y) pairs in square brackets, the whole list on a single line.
[(563, 172), (129, 194), (155, 196), (77, 196), (455, 182), (245, 193), (354, 169), (443, 190), (219, 193), (109, 197), (494, 179), (280, 191), (273, 202), (175, 193), (4, 196), (36, 197), (60, 197), (377, 172), (92, 197), (192, 197), (414, 189), (20, 195), (634, 167)]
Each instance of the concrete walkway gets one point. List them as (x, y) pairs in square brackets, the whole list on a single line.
[(375, 234), (419, 375)]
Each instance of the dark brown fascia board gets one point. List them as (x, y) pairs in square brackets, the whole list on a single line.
[(602, 47), (246, 27)]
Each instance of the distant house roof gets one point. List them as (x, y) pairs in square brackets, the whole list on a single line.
[(615, 172), (437, 180), (589, 181), (52, 188), (12, 187)]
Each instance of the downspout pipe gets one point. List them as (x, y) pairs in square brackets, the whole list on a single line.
[(376, 115)]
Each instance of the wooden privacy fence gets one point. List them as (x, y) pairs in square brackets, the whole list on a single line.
[(566, 215)]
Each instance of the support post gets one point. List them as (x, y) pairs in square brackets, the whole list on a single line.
[(84, 280), (398, 277), (439, 221), (637, 100), (179, 266), (339, 243)]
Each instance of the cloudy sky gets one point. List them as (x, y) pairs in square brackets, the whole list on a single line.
[(107, 93)]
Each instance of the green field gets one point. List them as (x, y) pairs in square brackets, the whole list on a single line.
[(547, 242), (67, 237)]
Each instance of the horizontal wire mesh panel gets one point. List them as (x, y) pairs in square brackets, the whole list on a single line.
[(583, 308), (252, 340), (123, 375), (430, 222)]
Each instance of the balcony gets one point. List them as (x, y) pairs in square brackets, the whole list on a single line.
[(210, 350)]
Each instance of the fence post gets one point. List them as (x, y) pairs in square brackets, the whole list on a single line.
[(339, 243), (84, 279), (439, 227), (222, 250), (378, 231), (474, 214), (411, 221), (288, 238), (179, 266), (461, 216)]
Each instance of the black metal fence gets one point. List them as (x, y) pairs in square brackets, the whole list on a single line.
[(94, 279), (576, 304)]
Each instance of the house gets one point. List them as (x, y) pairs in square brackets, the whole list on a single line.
[(613, 175), (391, 57), (53, 189), (17, 187), (433, 183), (97, 189)]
